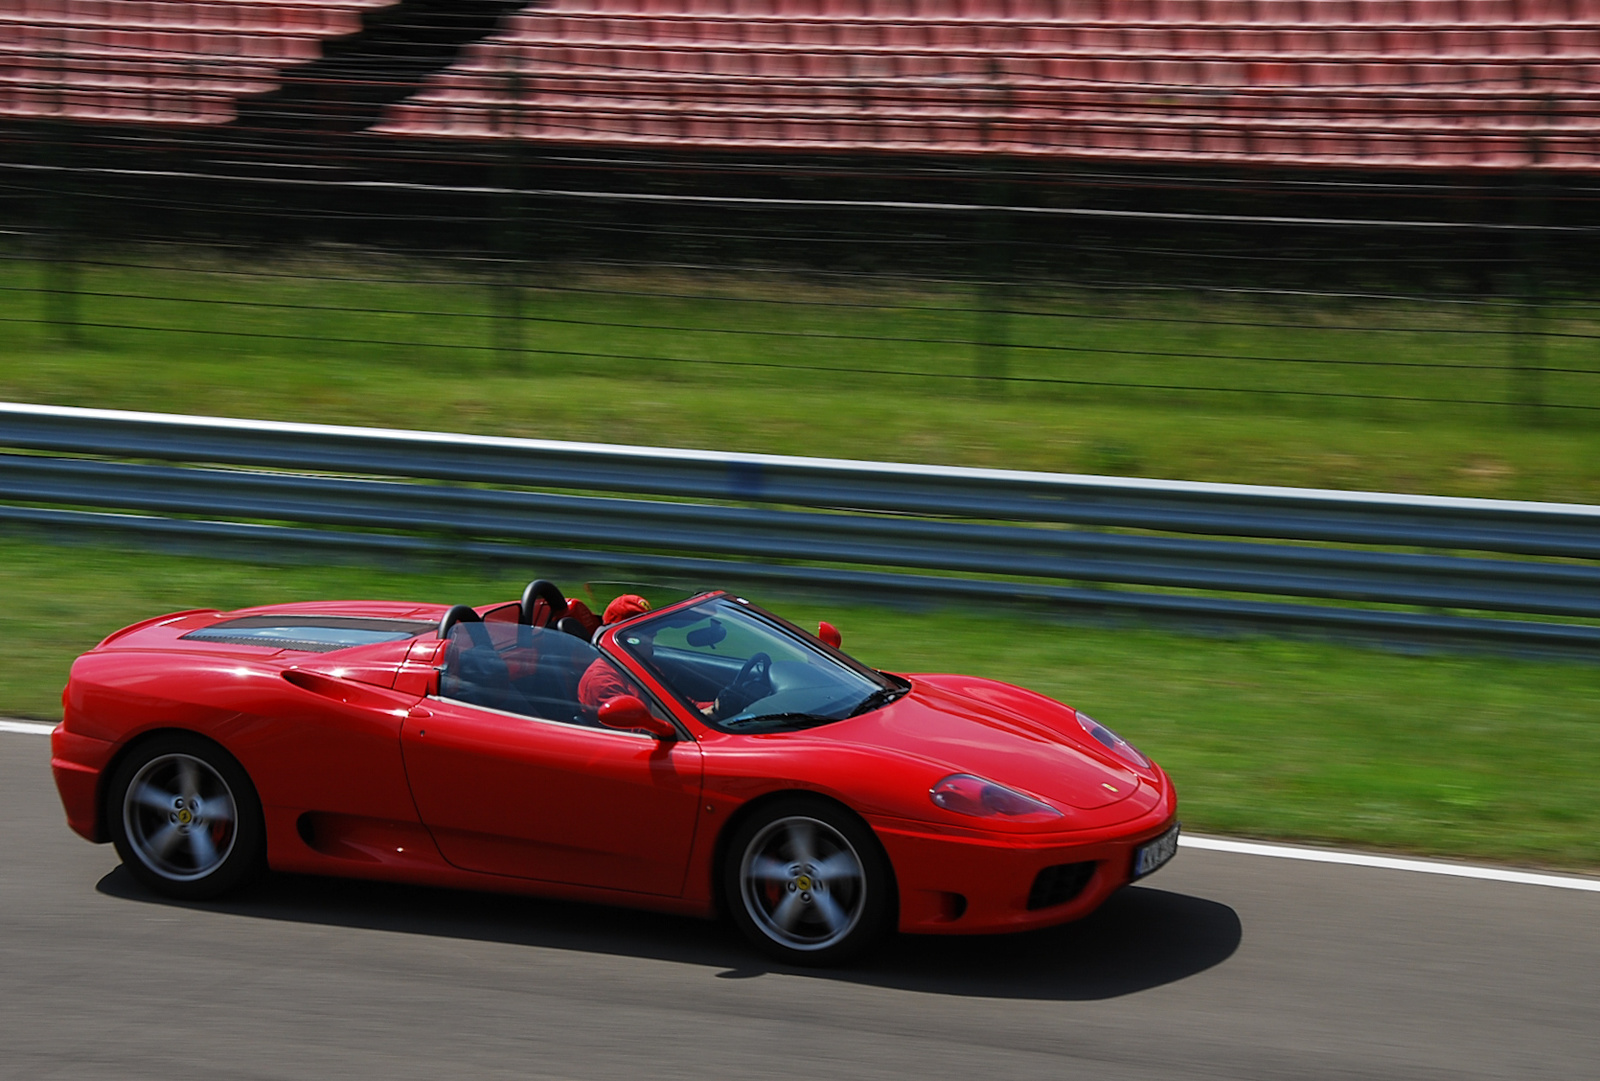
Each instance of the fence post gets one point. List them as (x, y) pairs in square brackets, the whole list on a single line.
[(508, 324), (60, 269), (1527, 320), (991, 327)]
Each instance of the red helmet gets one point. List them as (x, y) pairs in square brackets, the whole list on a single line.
[(625, 607)]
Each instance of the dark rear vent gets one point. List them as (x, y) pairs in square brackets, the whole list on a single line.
[(308, 634), (1059, 884)]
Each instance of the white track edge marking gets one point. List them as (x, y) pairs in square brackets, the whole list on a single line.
[(1389, 863), (1249, 848), (26, 727)]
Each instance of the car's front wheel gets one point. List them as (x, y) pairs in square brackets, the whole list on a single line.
[(185, 818), (806, 881)]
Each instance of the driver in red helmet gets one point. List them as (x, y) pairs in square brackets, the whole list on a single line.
[(601, 681)]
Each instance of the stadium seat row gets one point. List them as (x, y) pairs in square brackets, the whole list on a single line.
[(1331, 114), (1117, 12), (999, 38), (315, 21), (187, 107), (551, 92), (509, 64), (160, 61), (169, 45), (218, 78), (1183, 141)]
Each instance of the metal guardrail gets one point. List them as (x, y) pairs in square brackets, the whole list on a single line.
[(876, 527)]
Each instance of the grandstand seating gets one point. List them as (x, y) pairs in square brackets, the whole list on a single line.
[(163, 61), (1491, 84)]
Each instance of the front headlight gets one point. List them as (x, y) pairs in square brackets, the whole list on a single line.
[(968, 795), (1112, 742)]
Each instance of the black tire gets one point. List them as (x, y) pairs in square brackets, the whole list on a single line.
[(185, 818), (807, 882)]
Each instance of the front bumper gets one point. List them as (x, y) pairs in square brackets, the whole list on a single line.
[(970, 884)]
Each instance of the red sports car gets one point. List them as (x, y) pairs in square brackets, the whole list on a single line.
[(705, 758)]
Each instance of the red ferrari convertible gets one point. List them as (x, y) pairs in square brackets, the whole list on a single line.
[(705, 758)]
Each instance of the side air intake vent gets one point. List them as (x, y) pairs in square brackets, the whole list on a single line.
[(1059, 884)]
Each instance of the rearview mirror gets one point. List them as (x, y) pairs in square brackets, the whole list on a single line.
[(709, 635), (627, 713)]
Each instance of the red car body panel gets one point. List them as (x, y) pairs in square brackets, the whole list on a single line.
[(552, 801), (362, 771)]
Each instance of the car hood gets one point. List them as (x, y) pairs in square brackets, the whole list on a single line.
[(999, 732)]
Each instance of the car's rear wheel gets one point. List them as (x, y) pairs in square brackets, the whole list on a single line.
[(806, 881), (185, 818)]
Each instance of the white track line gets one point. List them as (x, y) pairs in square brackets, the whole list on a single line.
[(28, 727), (1248, 848), (1390, 863)]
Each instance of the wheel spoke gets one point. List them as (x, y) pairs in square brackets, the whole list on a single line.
[(218, 810), (832, 915), (205, 853), (154, 799), (787, 914), (188, 779), (769, 869), (165, 840), (839, 867), (802, 842)]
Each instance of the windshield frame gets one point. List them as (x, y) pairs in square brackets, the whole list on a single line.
[(820, 653)]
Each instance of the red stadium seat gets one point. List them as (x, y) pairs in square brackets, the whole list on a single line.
[(159, 62), (1338, 83)]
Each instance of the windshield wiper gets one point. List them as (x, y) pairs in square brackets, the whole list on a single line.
[(880, 697), (790, 720)]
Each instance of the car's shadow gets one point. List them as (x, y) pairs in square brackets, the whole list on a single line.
[(1140, 938)]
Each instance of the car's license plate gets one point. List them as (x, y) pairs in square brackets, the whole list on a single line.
[(1152, 854)]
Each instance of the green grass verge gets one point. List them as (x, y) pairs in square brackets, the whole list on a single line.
[(1490, 758), (306, 340)]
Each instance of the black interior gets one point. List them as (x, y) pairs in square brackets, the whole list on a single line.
[(476, 671)]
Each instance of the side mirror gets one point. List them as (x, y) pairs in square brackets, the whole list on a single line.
[(829, 634), (628, 713)]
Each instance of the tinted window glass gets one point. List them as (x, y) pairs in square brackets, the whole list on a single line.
[(745, 670), (529, 670)]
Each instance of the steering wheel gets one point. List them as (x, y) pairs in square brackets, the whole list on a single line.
[(753, 681)]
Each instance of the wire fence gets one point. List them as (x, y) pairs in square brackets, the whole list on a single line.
[(295, 216)]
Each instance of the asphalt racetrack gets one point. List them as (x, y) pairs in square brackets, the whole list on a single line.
[(1221, 966)]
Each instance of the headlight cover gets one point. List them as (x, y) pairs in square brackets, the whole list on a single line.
[(1113, 742), (968, 795)]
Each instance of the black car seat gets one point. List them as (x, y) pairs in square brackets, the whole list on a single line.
[(474, 671)]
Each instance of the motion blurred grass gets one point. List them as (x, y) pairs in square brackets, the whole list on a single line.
[(1491, 758), (572, 378)]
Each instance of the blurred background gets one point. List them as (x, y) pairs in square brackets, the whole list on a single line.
[(1328, 243)]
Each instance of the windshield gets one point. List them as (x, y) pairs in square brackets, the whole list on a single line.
[(746, 670)]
